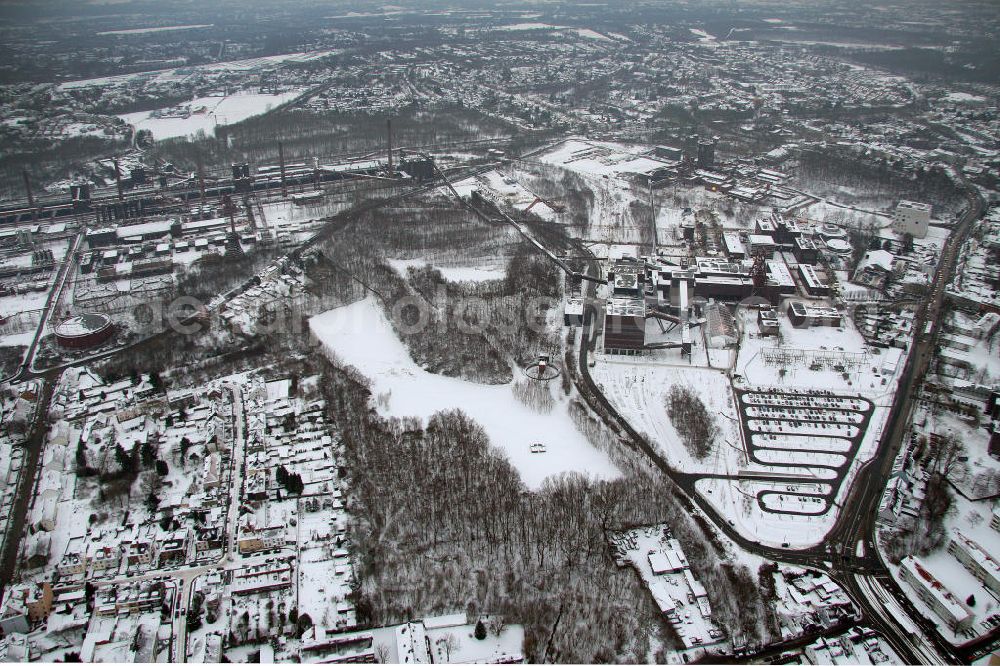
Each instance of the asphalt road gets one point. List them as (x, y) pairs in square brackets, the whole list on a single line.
[(32, 446)]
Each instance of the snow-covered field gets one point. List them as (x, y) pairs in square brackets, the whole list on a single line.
[(17, 339), (205, 113), (582, 32), (452, 273), (638, 391), (285, 214), (172, 73), (963, 97), (15, 303), (825, 211), (598, 158), (360, 335), (168, 28)]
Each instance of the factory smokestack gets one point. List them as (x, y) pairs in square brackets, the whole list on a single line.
[(281, 166), (27, 186), (388, 125), (118, 181), (201, 186)]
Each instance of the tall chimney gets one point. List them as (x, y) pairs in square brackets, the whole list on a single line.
[(27, 186), (31, 196), (281, 164), (201, 184), (388, 125), (118, 181)]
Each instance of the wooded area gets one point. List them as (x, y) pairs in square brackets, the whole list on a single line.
[(691, 420)]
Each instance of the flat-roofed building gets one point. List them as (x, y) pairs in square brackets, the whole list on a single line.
[(762, 245), (625, 326), (974, 557), (805, 250), (767, 321), (765, 227), (626, 278), (735, 249), (805, 316), (779, 279), (814, 286), (912, 218), (932, 592)]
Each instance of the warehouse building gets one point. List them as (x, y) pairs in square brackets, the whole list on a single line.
[(814, 286), (625, 326)]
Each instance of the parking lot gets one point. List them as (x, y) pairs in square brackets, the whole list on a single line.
[(805, 433)]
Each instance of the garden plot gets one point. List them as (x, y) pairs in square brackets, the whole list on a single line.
[(738, 501), (796, 442), (324, 570)]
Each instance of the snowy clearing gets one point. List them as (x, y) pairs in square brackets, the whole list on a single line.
[(205, 113), (168, 28), (639, 392), (451, 273), (360, 335)]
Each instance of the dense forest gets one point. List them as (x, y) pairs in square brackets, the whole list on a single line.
[(442, 521), (870, 184)]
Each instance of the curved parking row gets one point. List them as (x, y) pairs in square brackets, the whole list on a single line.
[(801, 427), (815, 400), (799, 443), (794, 413), (801, 504), (813, 431), (797, 457)]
